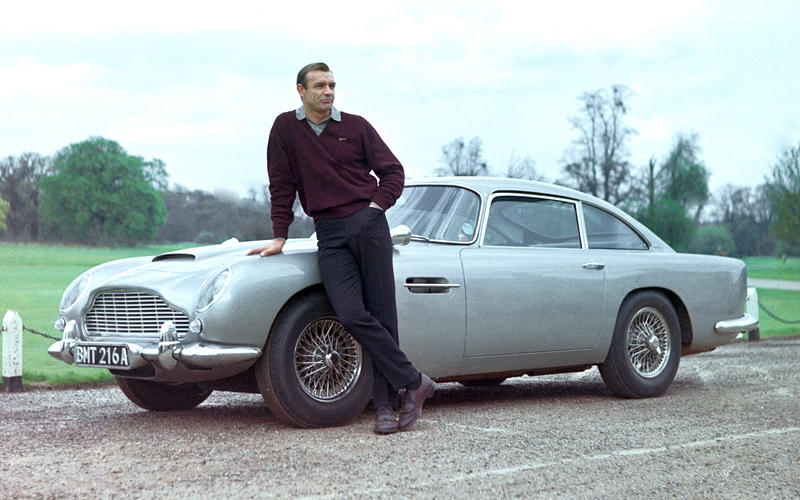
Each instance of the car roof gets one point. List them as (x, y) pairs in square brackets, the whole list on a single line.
[(488, 185)]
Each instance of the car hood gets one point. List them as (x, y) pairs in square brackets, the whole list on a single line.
[(177, 276)]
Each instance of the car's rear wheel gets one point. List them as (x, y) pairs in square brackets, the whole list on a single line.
[(159, 396), (312, 372), (645, 349)]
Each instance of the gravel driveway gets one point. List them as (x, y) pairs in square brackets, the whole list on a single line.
[(728, 428)]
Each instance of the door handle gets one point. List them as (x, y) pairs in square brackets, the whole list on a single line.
[(429, 285), (594, 265)]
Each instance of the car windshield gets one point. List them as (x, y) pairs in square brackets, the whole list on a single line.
[(441, 213)]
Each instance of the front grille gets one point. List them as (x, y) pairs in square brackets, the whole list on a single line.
[(132, 313)]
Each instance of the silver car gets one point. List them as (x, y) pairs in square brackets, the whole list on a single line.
[(495, 278)]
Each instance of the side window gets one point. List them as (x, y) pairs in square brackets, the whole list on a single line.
[(523, 221), (604, 230)]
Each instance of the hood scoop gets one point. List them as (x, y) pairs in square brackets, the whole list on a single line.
[(174, 256)]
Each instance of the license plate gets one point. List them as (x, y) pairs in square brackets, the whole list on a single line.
[(102, 356)]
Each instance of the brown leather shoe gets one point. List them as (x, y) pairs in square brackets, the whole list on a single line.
[(411, 407), (385, 423)]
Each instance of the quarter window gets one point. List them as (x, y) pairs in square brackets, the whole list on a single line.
[(523, 221), (606, 231)]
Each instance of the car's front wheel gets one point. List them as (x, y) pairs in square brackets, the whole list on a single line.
[(312, 372), (159, 396), (645, 349)]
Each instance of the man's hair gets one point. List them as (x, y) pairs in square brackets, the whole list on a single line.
[(319, 66)]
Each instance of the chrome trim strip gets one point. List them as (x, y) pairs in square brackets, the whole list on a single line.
[(745, 323)]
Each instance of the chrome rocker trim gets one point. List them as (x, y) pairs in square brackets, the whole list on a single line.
[(167, 353), (746, 323)]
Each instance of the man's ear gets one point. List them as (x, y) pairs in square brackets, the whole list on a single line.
[(301, 90)]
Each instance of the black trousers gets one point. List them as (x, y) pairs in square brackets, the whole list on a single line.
[(355, 261)]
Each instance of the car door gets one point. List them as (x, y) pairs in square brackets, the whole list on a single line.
[(531, 286)]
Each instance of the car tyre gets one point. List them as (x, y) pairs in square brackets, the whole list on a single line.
[(159, 396), (312, 372), (645, 348)]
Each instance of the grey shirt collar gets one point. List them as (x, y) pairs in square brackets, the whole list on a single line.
[(300, 113)]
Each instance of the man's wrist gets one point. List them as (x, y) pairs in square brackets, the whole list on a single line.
[(280, 239)]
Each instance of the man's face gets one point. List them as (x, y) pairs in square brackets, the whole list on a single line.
[(318, 93)]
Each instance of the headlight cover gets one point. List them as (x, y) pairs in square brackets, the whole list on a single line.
[(212, 289), (76, 290)]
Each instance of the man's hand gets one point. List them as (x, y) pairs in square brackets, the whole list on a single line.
[(274, 247)]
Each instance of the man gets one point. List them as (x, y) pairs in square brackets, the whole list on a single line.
[(325, 156)]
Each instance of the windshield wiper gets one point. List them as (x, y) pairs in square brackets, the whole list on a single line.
[(417, 237)]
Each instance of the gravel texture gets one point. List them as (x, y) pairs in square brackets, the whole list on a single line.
[(727, 428)]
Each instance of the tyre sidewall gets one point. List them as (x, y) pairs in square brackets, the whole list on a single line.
[(275, 372)]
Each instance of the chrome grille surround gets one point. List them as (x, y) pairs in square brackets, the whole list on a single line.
[(132, 313)]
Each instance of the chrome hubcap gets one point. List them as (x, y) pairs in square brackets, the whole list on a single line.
[(327, 360), (649, 344)]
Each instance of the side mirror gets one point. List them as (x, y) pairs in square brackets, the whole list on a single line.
[(401, 235)]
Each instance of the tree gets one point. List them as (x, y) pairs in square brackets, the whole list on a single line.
[(745, 211), (597, 162), (463, 159), (19, 185), (684, 177), (671, 197), (155, 171), (99, 194), (668, 219), (783, 191), (523, 168)]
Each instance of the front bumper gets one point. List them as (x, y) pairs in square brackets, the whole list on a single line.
[(167, 353), (745, 323)]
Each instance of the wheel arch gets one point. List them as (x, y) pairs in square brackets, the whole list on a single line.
[(684, 320), (299, 295)]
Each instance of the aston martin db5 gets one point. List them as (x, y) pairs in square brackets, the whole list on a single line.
[(495, 278)]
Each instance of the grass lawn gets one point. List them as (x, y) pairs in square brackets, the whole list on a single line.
[(786, 305), (773, 268), (32, 279)]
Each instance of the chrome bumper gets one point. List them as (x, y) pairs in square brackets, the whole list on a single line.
[(746, 323), (168, 352)]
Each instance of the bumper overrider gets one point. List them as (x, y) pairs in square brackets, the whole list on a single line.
[(167, 353), (745, 323)]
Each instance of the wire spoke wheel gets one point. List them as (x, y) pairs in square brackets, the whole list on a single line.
[(649, 342), (327, 360)]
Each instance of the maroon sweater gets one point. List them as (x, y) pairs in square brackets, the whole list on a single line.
[(329, 172)]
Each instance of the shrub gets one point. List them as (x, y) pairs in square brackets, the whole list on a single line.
[(713, 239)]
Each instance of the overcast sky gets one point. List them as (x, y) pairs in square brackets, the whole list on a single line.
[(198, 84)]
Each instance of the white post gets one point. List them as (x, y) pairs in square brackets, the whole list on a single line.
[(751, 308), (12, 352)]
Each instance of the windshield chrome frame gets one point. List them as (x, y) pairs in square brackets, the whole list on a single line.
[(478, 221)]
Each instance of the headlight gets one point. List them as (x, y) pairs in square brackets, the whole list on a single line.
[(212, 288), (76, 290)]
